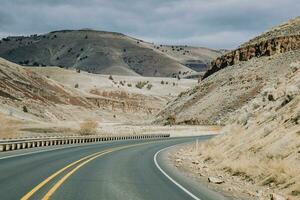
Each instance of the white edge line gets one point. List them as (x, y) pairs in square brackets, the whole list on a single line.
[(170, 178)]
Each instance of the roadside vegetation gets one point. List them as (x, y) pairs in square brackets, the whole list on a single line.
[(88, 127)]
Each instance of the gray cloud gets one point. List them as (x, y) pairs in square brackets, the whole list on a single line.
[(211, 23)]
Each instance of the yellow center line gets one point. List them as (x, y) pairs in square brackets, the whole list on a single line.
[(63, 179), (39, 186), (57, 185)]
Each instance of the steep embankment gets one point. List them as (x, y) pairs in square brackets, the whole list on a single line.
[(260, 147), (96, 52), (244, 72)]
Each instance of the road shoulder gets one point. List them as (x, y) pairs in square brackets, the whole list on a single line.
[(197, 182)]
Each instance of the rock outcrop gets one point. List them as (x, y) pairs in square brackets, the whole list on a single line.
[(265, 48)]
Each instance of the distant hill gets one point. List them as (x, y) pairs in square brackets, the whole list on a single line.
[(105, 53)]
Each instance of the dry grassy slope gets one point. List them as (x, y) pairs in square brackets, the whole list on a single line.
[(94, 51), (149, 99), (53, 103), (88, 82), (217, 96), (261, 144)]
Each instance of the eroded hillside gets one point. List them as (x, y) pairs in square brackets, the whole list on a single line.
[(51, 96), (231, 83)]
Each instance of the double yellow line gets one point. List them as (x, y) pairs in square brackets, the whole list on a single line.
[(83, 161)]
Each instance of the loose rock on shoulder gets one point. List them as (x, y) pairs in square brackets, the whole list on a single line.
[(277, 197), (215, 180)]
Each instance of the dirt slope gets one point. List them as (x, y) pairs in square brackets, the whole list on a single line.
[(96, 52)]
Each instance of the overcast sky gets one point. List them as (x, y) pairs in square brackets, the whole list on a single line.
[(210, 23)]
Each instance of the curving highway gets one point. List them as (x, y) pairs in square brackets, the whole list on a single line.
[(133, 170)]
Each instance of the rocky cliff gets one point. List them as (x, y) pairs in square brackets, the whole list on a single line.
[(268, 47)]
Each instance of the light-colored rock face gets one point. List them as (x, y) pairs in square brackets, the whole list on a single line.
[(264, 48), (280, 39), (97, 52)]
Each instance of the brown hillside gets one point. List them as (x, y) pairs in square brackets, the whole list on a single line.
[(96, 52)]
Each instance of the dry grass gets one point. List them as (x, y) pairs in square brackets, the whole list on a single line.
[(88, 127), (8, 128)]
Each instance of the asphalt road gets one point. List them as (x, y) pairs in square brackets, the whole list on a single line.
[(109, 171)]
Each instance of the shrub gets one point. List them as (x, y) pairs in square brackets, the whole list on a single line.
[(149, 86), (162, 82), (78, 70), (25, 109), (110, 77), (140, 84), (88, 127), (35, 64), (76, 85), (129, 85), (171, 120)]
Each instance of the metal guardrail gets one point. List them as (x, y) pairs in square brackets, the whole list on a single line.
[(25, 143)]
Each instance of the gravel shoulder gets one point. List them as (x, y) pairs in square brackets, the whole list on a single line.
[(182, 166), (186, 174)]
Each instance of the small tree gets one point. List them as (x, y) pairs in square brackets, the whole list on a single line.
[(162, 82), (25, 109), (110, 77), (76, 85)]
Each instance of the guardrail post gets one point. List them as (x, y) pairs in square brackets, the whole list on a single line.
[(19, 145), (7, 147), (1, 147)]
